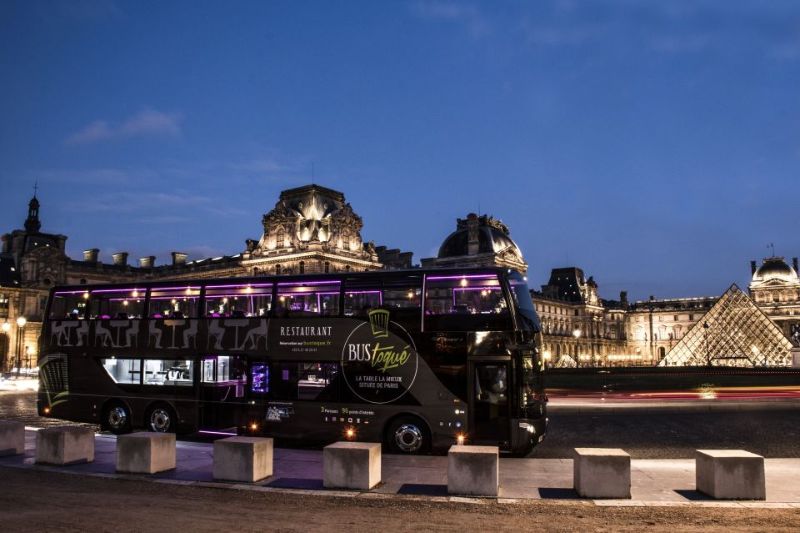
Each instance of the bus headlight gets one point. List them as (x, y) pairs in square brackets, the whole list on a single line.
[(527, 427), (460, 438)]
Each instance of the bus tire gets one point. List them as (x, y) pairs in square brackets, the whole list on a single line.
[(116, 418), (161, 418), (408, 435)]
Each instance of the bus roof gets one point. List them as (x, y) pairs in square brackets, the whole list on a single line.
[(288, 277)]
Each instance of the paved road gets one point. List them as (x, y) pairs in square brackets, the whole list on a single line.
[(646, 431)]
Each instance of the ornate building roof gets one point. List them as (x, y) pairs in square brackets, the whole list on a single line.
[(315, 223), (479, 241), (774, 271)]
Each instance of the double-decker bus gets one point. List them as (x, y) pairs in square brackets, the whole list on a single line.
[(417, 359)]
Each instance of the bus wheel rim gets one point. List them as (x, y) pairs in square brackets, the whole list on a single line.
[(408, 438), (159, 420), (117, 417)]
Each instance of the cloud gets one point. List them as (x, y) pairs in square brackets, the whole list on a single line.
[(465, 15), (157, 204), (146, 123)]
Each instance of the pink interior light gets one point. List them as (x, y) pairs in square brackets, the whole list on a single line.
[(468, 276)]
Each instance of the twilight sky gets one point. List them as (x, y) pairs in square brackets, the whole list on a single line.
[(654, 144)]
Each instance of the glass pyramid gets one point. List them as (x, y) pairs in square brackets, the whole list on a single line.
[(734, 332)]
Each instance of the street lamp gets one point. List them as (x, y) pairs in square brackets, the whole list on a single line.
[(6, 327), (577, 334), (21, 321)]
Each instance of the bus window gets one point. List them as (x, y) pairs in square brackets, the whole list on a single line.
[(360, 296), (119, 304), (168, 372), (174, 302), (237, 301), (403, 293), (308, 298), (125, 371), (402, 296), (473, 302), (69, 305), (304, 381)]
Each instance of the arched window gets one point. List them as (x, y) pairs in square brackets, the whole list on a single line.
[(327, 266), (277, 270), (302, 267), (281, 236), (347, 268)]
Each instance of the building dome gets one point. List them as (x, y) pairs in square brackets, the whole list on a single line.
[(775, 268), (490, 240)]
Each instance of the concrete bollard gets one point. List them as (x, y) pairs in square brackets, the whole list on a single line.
[(730, 474), (12, 437), (242, 459), (145, 453), (602, 473), (473, 470), (351, 465), (64, 445)]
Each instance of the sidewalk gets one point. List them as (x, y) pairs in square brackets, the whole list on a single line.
[(654, 482)]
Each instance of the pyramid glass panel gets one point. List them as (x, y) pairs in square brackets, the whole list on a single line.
[(734, 332)]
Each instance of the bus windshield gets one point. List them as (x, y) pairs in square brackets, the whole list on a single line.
[(523, 302)]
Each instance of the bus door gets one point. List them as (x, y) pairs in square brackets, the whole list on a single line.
[(223, 381), (489, 401)]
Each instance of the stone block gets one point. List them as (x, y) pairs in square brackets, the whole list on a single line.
[(145, 453), (473, 470), (601, 473), (351, 465), (242, 459), (64, 445), (730, 474), (12, 437)]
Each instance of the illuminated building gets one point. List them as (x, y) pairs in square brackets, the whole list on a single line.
[(312, 229)]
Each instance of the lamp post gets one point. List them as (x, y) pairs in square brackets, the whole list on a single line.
[(577, 334), (6, 327), (21, 321)]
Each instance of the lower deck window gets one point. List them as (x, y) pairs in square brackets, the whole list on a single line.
[(126, 371), (168, 372)]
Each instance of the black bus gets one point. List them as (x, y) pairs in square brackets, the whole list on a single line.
[(417, 359)]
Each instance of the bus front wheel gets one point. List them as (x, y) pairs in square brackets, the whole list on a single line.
[(408, 435), (117, 418), (161, 419)]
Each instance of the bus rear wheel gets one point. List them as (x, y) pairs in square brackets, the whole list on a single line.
[(117, 418), (408, 435), (161, 419)]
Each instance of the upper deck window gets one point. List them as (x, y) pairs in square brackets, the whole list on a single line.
[(308, 298), (174, 302), (472, 302), (69, 305), (238, 301), (118, 303), (361, 295)]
